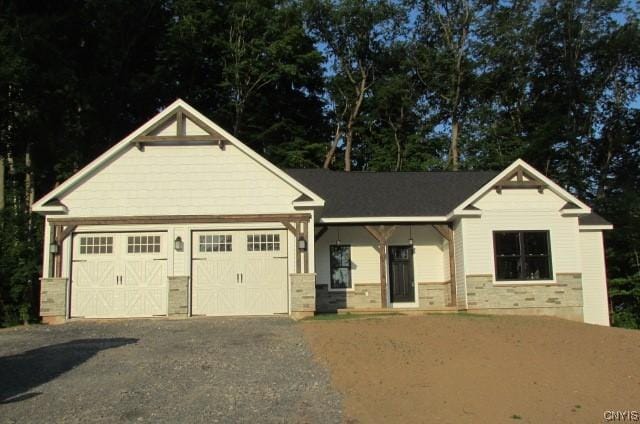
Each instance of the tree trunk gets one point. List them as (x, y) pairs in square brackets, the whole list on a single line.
[(11, 183), (353, 116), (28, 180), (453, 148), (1, 183), (398, 151), (332, 150), (347, 148)]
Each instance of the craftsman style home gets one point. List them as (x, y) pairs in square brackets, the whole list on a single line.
[(182, 219)]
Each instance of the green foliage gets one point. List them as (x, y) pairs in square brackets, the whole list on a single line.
[(625, 301)]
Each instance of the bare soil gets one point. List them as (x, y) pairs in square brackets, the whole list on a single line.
[(480, 369)]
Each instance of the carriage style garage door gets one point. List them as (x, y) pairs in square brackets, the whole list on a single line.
[(239, 272), (119, 275)]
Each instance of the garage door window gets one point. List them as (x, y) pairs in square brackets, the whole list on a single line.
[(143, 244), (215, 243), (263, 242), (96, 245)]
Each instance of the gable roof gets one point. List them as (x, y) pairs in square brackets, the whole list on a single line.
[(542, 181), (593, 219), (176, 108), (391, 194)]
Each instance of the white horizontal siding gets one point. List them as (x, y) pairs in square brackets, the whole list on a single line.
[(520, 210), (594, 279), (181, 180)]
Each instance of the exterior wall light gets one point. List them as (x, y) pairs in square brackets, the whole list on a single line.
[(302, 244), (54, 248), (178, 244), (410, 237)]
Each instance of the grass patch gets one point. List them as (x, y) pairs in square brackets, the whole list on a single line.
[(463, 314), (340, 317), (516, 417)]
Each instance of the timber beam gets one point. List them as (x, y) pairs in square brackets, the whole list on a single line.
[(179, 219), (382, 233), (446, 231)]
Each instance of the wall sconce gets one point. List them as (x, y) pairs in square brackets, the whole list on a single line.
[(178, 244), (410, 237), (54, 248), (302, 244), (338, 239)]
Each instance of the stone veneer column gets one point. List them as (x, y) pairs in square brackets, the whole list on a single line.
[(303, 295), (53, 300), (178, 296)]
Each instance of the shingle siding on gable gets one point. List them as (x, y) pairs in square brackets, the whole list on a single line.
[(181, 180)]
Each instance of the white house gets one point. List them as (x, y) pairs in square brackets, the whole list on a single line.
[(181, 219)]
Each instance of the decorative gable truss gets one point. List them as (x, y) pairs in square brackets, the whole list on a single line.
[(520, 178), (521, 175), (180, 126)]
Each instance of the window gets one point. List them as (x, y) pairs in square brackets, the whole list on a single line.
[(340, 264), (522, 255), (96, 245), (143, 244), (215, 243), (263, 242)]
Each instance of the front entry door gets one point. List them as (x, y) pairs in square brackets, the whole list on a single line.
[(401, 274)]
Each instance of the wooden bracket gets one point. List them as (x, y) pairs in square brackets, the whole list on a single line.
[(443, 230), (290, 227), (382, 233), (320, 233), (65, 233)]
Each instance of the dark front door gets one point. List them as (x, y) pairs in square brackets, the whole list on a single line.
[(401, 273)]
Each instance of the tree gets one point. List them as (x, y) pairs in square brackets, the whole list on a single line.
[(445, 64), (355, 33)]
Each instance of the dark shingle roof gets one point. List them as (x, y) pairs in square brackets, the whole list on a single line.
[(367, 194), (593, 219)]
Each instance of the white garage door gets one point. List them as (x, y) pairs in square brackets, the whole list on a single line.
[(118, 275), (239, 272)]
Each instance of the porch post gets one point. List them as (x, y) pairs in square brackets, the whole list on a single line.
[(382, 234), (446, 231)]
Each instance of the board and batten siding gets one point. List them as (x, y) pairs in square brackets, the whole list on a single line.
[(430, 257), (594, 286), (181, 180), (520, 209)]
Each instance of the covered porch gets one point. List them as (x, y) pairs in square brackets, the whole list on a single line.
[(374, 267)]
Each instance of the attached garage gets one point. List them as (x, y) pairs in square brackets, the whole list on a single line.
[(115, 275), (239, 272), (178, 219)]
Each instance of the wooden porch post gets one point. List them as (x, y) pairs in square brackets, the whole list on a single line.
[(305, 235), (446, 231), (382, 234)]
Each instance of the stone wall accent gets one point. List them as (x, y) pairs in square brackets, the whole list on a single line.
[(361, 296), (565, 293), (434, 295), (303, 295), (53, 300), (178, 296)]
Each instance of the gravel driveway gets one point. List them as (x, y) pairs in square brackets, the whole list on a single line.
[(198, 370)]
